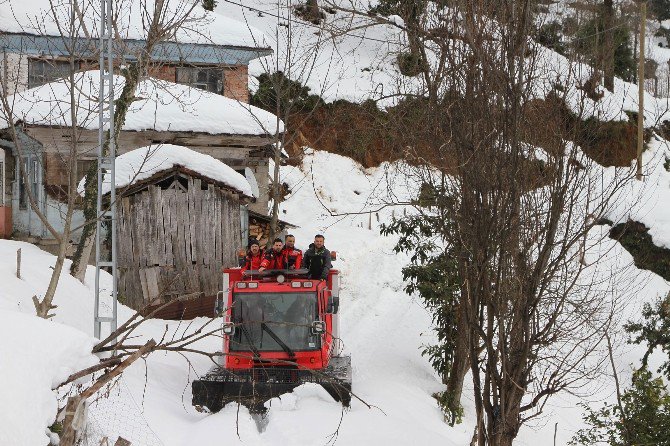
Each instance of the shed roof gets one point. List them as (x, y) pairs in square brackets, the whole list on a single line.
[(162, 106), (267, 219), (146, 162), (52, 18)]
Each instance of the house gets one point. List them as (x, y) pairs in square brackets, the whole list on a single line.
[(179, 223), (233, 132), (202, 66), (207, 51)]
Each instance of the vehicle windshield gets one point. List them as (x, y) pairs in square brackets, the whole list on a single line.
[(265, 321)]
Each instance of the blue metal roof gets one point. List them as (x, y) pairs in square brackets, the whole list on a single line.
[(173, 52)]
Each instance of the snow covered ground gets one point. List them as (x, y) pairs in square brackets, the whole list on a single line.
[(382, 328)]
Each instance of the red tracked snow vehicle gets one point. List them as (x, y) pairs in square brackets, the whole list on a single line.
[(280, 331)]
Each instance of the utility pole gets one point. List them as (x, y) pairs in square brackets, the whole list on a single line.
[(106, 168), (640, 85)]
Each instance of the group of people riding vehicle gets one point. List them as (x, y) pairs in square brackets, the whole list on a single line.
[(316, 260)]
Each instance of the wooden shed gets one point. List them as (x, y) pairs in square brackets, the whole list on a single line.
[(176, 229)]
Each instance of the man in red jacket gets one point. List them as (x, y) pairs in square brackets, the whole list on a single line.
[(254, 256), (274, 258), (292, 254)]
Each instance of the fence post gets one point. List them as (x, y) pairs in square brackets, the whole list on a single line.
[(18, 263)]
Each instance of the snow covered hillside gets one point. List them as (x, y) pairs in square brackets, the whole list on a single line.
[(355, 67), (382, 328)]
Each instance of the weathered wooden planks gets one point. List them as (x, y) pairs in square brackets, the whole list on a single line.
[(174, 242)]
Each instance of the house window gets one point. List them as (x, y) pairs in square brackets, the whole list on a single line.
[(42, 71), (23, 198), (210, 79), (32, 169)]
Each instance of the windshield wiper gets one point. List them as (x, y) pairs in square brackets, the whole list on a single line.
[(278, 340), (253, 348)]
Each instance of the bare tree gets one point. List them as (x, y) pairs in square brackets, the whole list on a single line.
[(69, 36), (512, 200), (297, 43), (162, 20)]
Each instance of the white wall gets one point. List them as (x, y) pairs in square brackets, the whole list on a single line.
[(14, 69)]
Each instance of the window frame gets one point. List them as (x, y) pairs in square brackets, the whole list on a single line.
[(238, 345), (190, 75), (48, 70)]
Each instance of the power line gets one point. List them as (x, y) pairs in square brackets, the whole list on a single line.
[(251, 8)]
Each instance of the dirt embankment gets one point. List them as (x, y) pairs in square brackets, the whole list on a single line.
[(372, 136)]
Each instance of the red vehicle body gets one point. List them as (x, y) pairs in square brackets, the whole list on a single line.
[(280, 330)]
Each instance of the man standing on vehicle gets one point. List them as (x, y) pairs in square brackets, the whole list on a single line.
[(274, 258), (254, 256), (317, 259), (293, 256)]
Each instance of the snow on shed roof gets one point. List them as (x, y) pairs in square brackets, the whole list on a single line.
[(38, 17), (164, 106), (145, 162)]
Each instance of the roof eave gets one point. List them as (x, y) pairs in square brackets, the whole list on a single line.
[(167, 51)]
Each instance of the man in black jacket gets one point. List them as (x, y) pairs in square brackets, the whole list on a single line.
[(317, 259)]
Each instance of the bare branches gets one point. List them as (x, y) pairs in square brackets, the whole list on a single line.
[(514, 211)]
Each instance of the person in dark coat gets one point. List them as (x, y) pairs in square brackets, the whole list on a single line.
[(317, 259), (254, 256), (274, 258), (293, 255)]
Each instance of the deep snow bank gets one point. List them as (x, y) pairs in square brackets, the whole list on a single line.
[(36, 354)]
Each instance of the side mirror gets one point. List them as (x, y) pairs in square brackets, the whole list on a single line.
[(333, 304), (228, 328), (218, 305), (318, 327)]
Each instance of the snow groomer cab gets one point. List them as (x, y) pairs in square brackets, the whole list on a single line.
[(280, 329)]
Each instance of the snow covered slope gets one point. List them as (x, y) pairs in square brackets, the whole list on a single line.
[(354, 67)]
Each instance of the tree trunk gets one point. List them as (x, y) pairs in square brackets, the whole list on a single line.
[(83, 253), (69, 435), (461, 363), (608, 44), (85, 246), (45, 306)]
